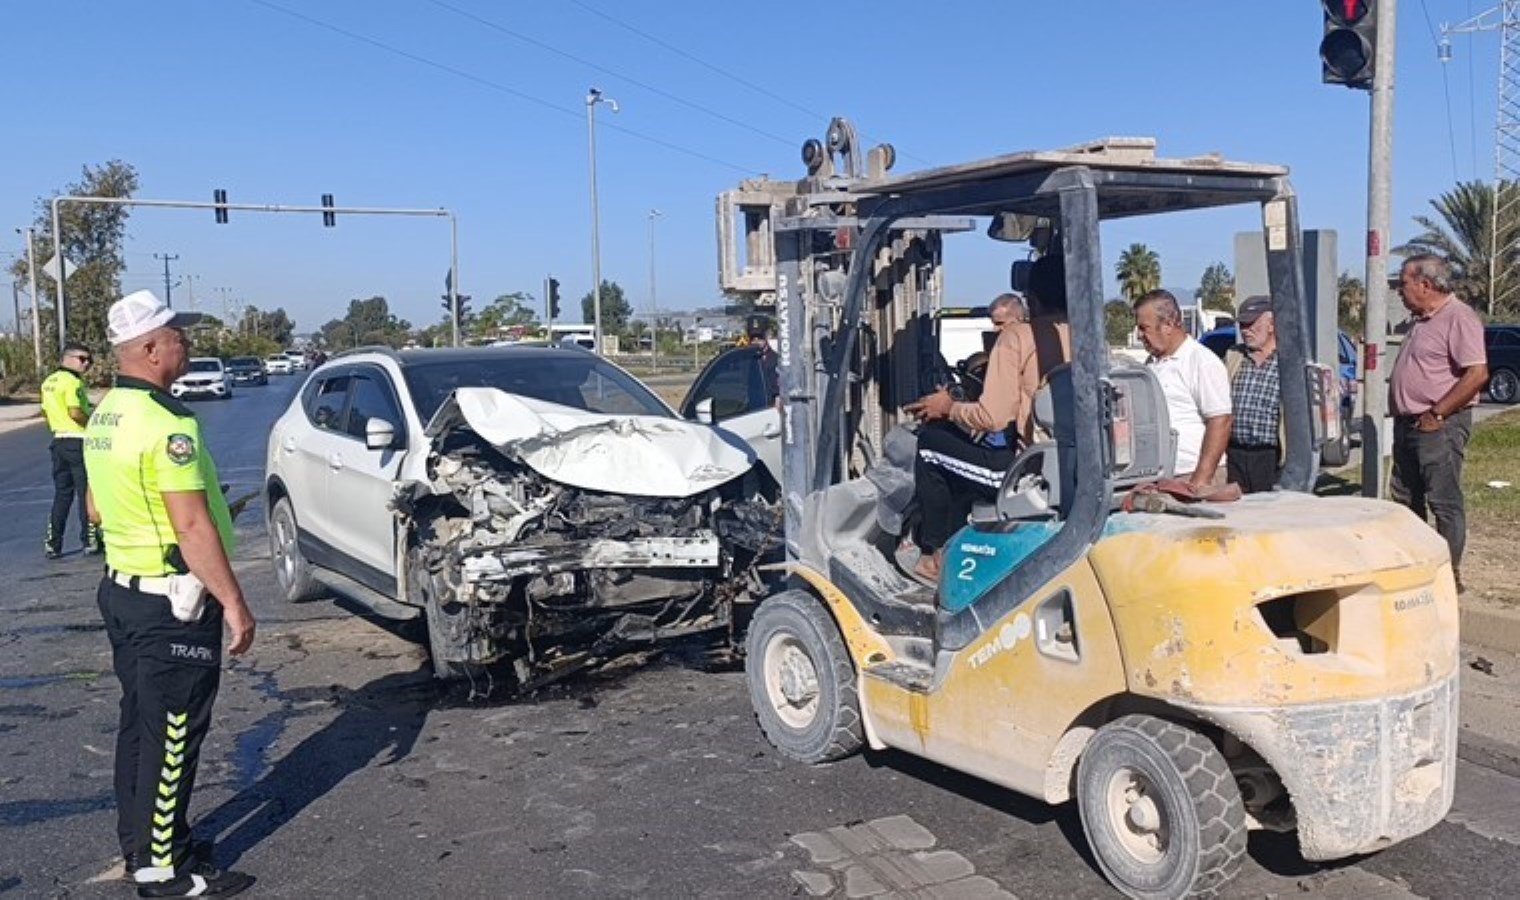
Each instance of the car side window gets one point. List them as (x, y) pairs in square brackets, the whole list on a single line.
[(734, 384), (370, 397), (328, 402)]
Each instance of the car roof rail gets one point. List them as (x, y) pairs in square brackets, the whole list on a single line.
[(382, 349)]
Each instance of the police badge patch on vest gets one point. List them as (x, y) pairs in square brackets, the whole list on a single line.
[(181, 449)]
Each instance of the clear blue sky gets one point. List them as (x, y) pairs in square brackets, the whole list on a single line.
[(275, 109)]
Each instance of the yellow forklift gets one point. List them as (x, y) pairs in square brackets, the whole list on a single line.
[(1286, 662)]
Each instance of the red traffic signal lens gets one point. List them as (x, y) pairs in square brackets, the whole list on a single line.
[(1346, 12)]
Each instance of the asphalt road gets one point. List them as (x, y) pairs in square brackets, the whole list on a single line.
[(337, 766)]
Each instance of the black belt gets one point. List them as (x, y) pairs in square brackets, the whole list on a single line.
[(1238, 446), (146, 584)]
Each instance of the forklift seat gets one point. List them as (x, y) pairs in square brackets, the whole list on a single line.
[(1044, 473)]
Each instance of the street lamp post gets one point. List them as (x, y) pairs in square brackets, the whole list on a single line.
[(654, 310), (593, 97), (31, 271)]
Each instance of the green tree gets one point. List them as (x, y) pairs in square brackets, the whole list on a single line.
[(368, 322), (615, 308), (1462, 232), (507, 311), (1350, 303), (276, 326), (1118, 322), (1216, 290), (92, 242), (1139, 271)]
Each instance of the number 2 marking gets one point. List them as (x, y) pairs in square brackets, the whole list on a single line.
[(968, 566)]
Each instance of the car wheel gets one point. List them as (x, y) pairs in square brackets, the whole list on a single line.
[(1160, 809), (292, 572), (452, 641), (1504, 386), (801, 680)]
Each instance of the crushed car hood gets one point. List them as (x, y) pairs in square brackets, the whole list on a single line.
[(648, 456)]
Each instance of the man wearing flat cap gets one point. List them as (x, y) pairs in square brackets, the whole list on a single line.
[(1254, 459), (167, 593)]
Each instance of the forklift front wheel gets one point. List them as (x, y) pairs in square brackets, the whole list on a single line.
[(801, 680), (1161, 810)]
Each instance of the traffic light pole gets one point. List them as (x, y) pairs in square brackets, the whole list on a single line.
[(1379, 224), (246, 207)]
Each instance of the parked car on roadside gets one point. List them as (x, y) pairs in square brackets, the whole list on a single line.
[(279, 364), (206, 377), (536, 505), (247, 370), (1503, 343)]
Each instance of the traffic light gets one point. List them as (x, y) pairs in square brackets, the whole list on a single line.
[(219, 197), (329, 218), (553, 299), (1349, 46)]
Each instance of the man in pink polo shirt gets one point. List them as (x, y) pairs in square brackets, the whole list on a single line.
[(1434, 386)]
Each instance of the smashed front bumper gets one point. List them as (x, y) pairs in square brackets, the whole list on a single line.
[(1362, 775)]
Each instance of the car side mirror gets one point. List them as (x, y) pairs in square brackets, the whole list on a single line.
[(704, 410), (379, 434)]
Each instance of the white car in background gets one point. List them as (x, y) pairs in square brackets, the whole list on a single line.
[(206, 377), (278, 364), (297, 360)]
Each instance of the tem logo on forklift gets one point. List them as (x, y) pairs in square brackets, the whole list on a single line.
[(1006, 639)]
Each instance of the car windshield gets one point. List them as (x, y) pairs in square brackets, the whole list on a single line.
[(278, 359), (578, 380), (243, 362), (205, 365)]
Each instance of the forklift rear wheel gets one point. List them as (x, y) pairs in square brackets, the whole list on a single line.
[(801, 680), (1161, 810)]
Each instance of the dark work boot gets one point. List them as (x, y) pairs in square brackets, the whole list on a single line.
[(197, 879)]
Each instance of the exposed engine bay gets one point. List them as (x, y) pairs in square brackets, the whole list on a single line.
[(515, 566)]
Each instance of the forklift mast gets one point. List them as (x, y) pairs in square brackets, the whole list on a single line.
[(785, 248)]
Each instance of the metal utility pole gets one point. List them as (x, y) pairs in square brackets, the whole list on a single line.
[(1379, 224), (593, 97), (31, 271), (168, 285), (226, 309), (1504, 18), (16, 301), (654, 313)]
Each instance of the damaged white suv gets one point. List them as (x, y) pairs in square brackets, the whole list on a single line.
[(537, 505)]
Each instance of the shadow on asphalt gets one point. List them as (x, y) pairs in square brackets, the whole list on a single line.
[(381, 719)]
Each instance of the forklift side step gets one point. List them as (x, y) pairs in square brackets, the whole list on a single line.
[(905, 675)]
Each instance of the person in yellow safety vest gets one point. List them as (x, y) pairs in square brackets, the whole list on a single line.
[(167, 593), (66, 406)]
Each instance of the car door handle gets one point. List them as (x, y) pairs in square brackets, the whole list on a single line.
[(334, 461), (771, 430), (289, 445)]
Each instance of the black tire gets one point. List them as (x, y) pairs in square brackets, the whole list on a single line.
[(1161, 811), (801, 680), (1504, 386), (448, 635), (292, 573)]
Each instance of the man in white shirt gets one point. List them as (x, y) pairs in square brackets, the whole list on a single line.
[(1196, 385)]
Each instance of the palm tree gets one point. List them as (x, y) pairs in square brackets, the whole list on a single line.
[(1464, 236), (1139, 272)]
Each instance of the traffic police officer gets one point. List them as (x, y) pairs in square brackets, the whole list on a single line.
[(168, 590), (66, 406)]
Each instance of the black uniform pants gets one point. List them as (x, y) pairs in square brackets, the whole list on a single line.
[(68, 487), (169, 673), (1427, 475), (1253, 468), (951, 473)]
